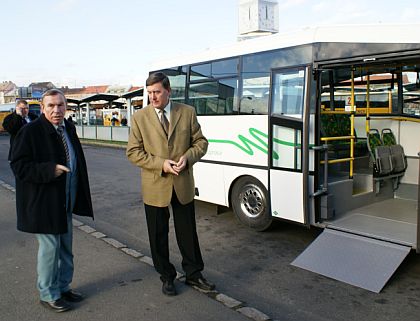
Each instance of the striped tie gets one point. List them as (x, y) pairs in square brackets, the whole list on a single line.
[(60, 131), (164, 121)]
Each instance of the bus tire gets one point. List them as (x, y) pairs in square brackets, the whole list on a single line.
[(250, 204)]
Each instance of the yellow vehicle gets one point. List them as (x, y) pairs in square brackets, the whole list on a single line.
[(3, 115), (5, 109)]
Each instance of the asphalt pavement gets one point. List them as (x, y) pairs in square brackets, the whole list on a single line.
[(251, 267), (119, 283)]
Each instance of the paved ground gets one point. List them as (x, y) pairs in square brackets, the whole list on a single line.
[(246, 265), (117, 285)]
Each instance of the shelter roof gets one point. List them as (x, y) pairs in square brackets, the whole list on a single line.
[(97, 97), (73, 101), (133, 93)]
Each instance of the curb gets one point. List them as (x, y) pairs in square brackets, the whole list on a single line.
[(226, 300), (102, 144)]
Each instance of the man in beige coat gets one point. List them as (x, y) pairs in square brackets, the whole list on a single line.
[(166, 141)]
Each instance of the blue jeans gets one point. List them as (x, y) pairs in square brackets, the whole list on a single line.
[(55, 263)]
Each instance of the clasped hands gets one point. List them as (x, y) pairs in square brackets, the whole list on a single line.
[(172, 167)]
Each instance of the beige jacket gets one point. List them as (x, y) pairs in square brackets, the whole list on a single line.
[(148, 147)]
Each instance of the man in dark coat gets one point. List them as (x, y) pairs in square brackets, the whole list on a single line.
[(16, 120), (51, 184)]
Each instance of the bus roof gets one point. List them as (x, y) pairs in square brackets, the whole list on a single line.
[(369, 33)]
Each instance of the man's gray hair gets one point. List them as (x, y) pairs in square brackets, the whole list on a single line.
[(53, 92)]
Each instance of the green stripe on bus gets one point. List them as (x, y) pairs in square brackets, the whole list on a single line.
[(261, 143)]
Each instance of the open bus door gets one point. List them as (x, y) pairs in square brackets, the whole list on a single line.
[(288, 151), (367, 248)]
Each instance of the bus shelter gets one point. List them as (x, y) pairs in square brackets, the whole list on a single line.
[(133, 103), (103, 100)]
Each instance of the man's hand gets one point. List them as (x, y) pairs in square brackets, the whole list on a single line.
[(169, 167), (19, 110), (182, 163), (60, 169)]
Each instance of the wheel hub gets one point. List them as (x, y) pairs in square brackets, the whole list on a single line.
[(252, 200)]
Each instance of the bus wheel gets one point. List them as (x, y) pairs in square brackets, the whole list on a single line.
[(249, 202)]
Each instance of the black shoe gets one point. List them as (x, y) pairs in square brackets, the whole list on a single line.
[(200, 283), (57, 305), (168, 287), (72, 296)]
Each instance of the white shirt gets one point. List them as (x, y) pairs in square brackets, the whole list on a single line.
[(167, 110)]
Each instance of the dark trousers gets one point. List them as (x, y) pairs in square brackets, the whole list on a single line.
[(186, 236)]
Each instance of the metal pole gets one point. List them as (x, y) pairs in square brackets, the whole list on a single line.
[(368, 104), (129, 111), (418, 210), (352, 111)]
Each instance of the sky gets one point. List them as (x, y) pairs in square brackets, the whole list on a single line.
[(107, 42)]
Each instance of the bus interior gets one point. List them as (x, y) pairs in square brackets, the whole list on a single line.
[(368, 168)]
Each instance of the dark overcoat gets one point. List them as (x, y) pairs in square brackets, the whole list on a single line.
[(12, 124), (40, 196)]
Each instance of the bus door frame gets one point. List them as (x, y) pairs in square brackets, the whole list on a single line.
[(296, 179)]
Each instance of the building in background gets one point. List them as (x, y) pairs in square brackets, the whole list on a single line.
[(36, 89), (8, 92)]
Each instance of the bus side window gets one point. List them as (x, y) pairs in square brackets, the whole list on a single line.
[(177, 77), (214, 97), (255, 94)]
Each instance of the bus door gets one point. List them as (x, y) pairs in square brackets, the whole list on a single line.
[(287, 158)]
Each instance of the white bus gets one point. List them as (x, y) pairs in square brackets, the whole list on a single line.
[(319, 127)]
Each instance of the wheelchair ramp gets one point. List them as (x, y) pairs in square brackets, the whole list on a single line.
[(360, 261)]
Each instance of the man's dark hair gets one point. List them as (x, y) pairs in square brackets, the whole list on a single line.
[(21, 101), (158, 77), (53, 92)]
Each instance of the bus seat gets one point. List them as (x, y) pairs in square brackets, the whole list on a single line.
[(380, 154), (388, 137), (399, 160), (383, 159), (373, 141)]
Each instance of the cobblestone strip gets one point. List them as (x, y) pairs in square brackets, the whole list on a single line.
[(114, 242), (86, 228), (132, 252), (7, 186), (253, 314), (228, 301)]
